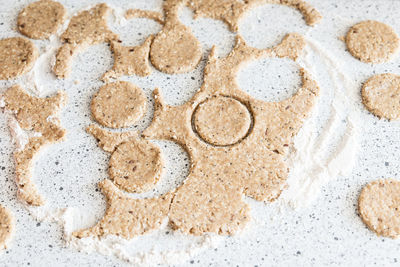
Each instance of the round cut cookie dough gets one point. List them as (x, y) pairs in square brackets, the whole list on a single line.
[(41, 19), (6, 227), (372, 41), (17, 56), (119, 104), (222, 121), (379, 207), (381, 95), (136, 166)]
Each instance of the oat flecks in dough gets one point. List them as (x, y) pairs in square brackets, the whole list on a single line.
[(231, 11), (381, 95), (379, 205), (127, 217), (130, 60), (17, 56), (7, 225), (109, 141), (231, 121), (41, 19), (89, 27), (372, 41), (36, 115), (136, 166), (119, 104)]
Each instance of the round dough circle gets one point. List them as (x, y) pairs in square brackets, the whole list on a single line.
[(41, 19), (222, 121), (381, 95), (17, 56), (175, 50), (372, 41), (6, 227), (379, 207), (136, 166), (119, 104)]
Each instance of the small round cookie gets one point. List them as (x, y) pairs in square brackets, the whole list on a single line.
[(17, 56), (136, 166), (41, 19), (175, 50), (381, 95), (119, 104), (379, 207), (222, 121), (372, 42), (6, 227)]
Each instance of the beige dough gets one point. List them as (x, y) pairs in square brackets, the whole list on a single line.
[(372, 42), (211, 198), (7, 225), (36, 115), (119, 104), (230, 122), (17, 56), (136, 166), (379, 205), (130, 60), (41, 19), (381, 95), (87, 28)]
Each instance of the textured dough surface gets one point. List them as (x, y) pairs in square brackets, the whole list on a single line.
[(17, 56), (379, 206), (222, 121), (372, 41), (119, 104), (37, 115), (41, 19), (7, 225), (136, 166), (381, 95)]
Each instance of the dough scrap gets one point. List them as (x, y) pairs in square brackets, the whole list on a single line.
[(211, 198), (136, 166), (147, 14), (37, 115), (118, 104), (379, 205), (87, 28), (129, 60), (7, 225), (231, 11), (381, 95), (372, 42), (231, 120), (17, 57), (41, 19)]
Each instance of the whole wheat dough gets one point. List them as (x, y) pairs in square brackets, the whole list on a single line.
[(7, 225)]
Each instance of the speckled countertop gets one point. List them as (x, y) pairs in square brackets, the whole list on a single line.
[(329, 232)]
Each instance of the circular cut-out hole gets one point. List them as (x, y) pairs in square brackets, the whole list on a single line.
[(259, 29), (271, 79)]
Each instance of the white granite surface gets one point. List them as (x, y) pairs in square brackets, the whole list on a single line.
[(326, 233)]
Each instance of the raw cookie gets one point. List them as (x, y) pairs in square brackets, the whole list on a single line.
[(372, 41), (136, 166), (379, 206), (222, 121), (6, 227), (41, 19), (211, 198), (17, 56), (174, 49), (89, 27), (119, 104), (381, 95), (36, 115), (128, 217), (147, 14), (129, 60)]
